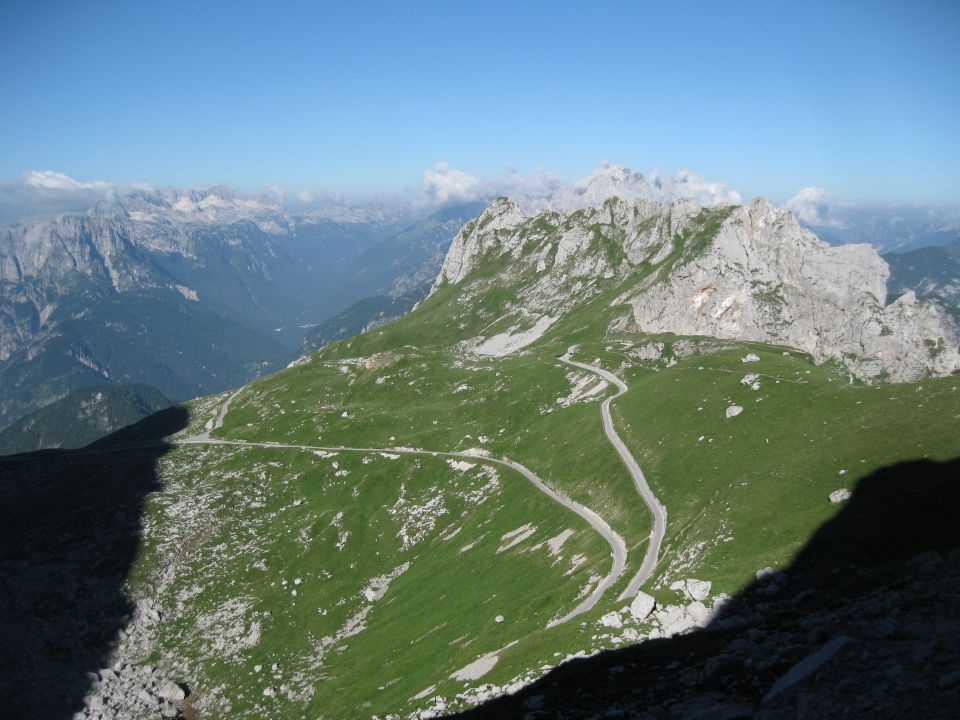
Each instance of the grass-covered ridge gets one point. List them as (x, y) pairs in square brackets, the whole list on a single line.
[(413, 567)]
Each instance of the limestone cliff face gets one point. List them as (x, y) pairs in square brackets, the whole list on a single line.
[(98, 252), (746, 272), (494, 230), (763, 277), (42, 261)]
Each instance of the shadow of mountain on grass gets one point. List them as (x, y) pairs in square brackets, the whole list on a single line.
[(865, 622), (69, 532)]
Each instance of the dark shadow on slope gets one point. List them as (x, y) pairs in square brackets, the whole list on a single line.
[(69, 532), (864, 623)]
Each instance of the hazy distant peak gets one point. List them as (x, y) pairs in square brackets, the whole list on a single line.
[(611, 180)]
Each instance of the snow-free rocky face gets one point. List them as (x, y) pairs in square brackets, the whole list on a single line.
[(194, 291), (746, 272)]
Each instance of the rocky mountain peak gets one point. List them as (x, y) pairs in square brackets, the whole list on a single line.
[(617, 181), (613, 177), (743, 272)]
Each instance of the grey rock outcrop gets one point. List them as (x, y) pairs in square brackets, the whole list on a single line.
[(748, 272), (839, 496), (642, 605), (765, 278), (697, 589)]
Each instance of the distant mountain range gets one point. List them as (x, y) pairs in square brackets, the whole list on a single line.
[(895, 228), (191, 291), (931, 272), (707, 404)]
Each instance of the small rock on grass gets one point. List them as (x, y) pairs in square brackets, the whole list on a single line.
[(839, 496)]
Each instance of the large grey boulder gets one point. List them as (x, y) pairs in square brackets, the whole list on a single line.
[(697, 589), (642, 605)]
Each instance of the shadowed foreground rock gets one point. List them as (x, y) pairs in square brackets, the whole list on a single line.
[(865, 623), (69, 531)]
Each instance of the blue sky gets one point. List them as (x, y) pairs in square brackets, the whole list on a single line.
[(860, 98)]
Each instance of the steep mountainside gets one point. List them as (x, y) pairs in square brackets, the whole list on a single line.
[(152, 337), (190, 291), (396, 266), (441, 510), (739, 272), (397, 274), (854, 626), (362, 316)]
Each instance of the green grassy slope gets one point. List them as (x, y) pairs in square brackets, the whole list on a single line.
[(237, 526), (254, 521), (748, 491)]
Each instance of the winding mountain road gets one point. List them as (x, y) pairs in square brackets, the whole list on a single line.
[(657, 510), (216, 424), (618, 547)]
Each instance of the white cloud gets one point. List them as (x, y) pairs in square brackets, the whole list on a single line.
[(691, 185), (813, 206), (274, 193), (810, 205), (50, 181), (45, 192), (443, 185), (886, 226)]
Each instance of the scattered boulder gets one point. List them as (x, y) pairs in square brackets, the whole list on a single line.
[(648, 351), (733, 411), (169, 690), (697, 589), (887, 650), (673, 620), (750, 357), (611, 620), (839, 496), (698, 613), (771, 582), (642, 606), (380, 361)]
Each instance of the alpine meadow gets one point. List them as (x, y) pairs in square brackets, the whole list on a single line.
[(324, 444)]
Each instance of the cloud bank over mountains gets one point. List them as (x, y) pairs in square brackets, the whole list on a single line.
[(47, 192), (545, 191), (812, 205), (888, 227)]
